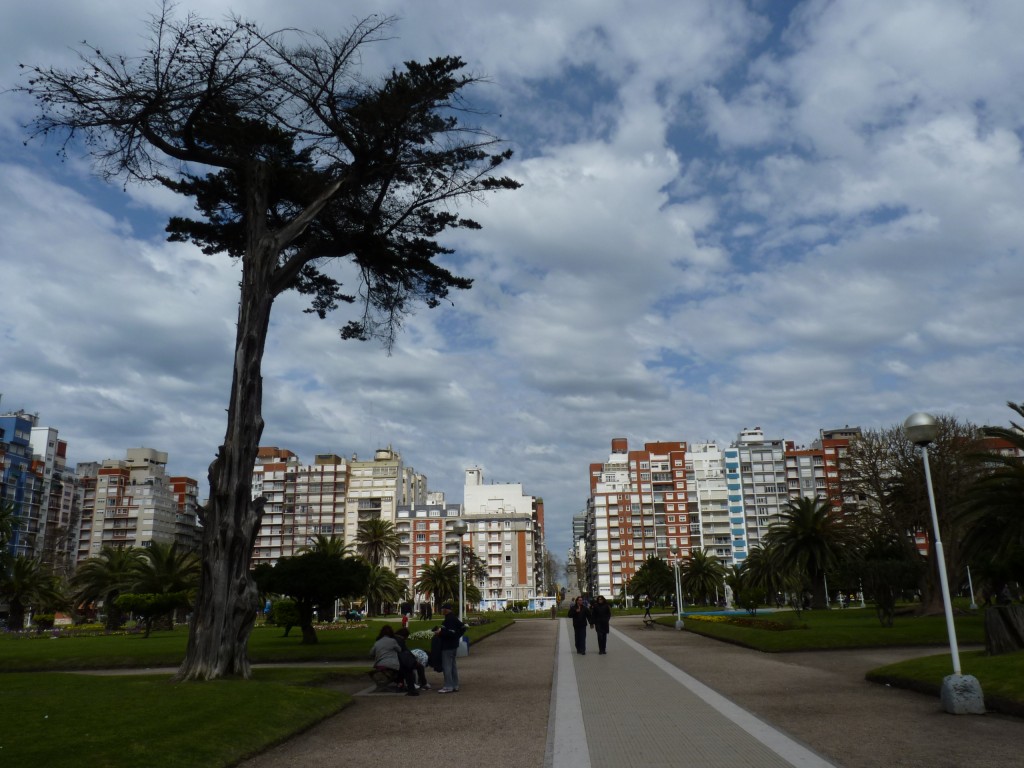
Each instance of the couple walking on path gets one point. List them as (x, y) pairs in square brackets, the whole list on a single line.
[(598, 616)]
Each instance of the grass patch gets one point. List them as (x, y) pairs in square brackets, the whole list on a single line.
[(61, 719), (1001, 677), (267, 645), (829, 630)]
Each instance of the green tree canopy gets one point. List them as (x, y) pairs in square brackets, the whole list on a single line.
[(377, 541), (315, 580), (101, 578), (165, 568), (27, 583), (655, 578), (993, 512), (439, 579), (383, 588), (701, 575), (810, 538)]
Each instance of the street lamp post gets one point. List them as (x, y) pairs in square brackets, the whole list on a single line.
[(970, 586), (459, 528), (679, 602), (961, 694)]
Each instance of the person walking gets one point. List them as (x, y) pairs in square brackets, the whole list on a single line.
[(452, 630), (647, 609), (601, 614), (580, 615)]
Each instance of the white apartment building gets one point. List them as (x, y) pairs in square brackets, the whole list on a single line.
[(376, 487), (708, 496), (126, 503), (506, 530)]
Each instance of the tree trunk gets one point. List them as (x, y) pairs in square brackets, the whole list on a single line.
[(227, 601), (1004, 629), (819, 598), (931, 587), (308, 635)]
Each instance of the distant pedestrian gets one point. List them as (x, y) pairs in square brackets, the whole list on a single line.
[(647, 609), (601, 614), (452, 630), (580, 615)]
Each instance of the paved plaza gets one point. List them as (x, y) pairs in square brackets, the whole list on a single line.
[(658, 698)]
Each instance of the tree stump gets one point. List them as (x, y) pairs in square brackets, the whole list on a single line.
[(1004, 629)]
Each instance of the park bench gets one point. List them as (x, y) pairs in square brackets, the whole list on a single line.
[(384, 678)]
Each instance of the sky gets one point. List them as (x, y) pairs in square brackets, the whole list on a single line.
[(733, 214)]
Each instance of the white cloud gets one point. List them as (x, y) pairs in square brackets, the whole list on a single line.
[(722, 224)]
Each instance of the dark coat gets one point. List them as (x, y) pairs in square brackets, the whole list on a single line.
[(434, 657), (601, 613), (452, 630), (580, 616)]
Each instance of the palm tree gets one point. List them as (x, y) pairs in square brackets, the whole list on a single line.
[(382, 587), (332, 546), (377, 540), (163, 569), (439, 580), (701, 575), (993, 514), (655, 578), (103, 577), (763, 569), (26, 583), (9, 523), (810, 539)]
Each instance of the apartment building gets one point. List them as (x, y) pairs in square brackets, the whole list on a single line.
[(755, 473), (815, 471), (378, 486), (506, 530), (708, 496), (673, 497), (21, 483), (329, 497), (59, 514), (187, 528), (425, 533), (302, 501), (126, 503), (638, 508)]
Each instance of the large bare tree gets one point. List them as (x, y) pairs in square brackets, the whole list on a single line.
[(294, 159), (886, 471)]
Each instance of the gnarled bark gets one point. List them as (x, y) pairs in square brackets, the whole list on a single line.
[(227, 601)]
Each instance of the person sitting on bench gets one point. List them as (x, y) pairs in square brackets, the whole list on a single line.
[(385, 657)]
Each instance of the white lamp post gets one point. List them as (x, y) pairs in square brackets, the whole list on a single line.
[(961, 694), (970, 585), (679, 602), (459, 528)]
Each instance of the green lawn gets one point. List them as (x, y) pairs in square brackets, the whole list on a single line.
[(60, 719), (167, 649), (1001, 677), (823, 630)]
